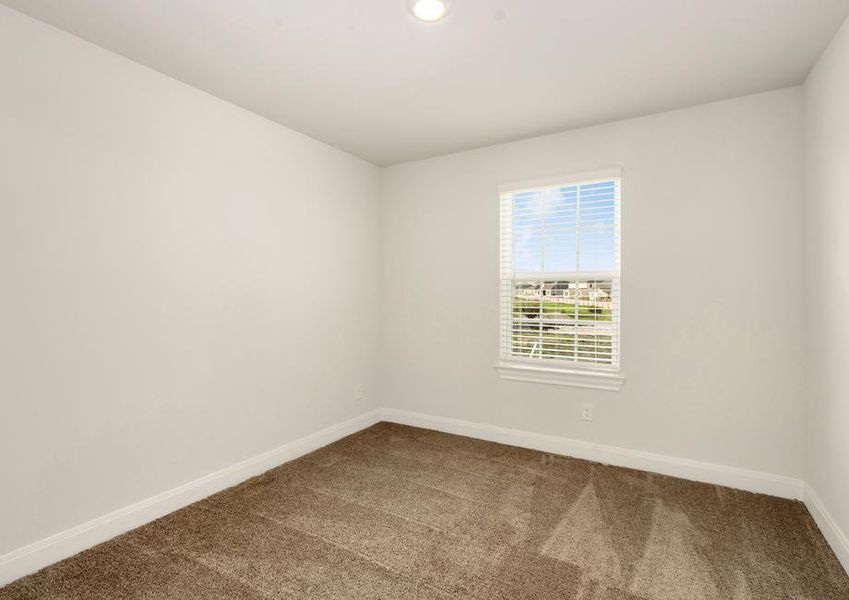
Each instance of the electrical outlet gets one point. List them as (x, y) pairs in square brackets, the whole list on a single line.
[(587, 411), (358, 392)]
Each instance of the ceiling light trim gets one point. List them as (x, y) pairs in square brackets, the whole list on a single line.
[(429, 11)]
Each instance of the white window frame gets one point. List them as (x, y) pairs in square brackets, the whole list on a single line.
[(513, 368)]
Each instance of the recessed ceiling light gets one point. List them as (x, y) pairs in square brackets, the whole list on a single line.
[(429, 10)]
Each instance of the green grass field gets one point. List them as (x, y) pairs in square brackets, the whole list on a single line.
[(523, 307), (540, 336)]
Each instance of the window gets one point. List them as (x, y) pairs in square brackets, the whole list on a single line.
[(560, 290)]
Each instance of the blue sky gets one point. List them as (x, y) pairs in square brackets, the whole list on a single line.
[(578, 222)]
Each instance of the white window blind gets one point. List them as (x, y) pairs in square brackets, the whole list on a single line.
[(560, 289)]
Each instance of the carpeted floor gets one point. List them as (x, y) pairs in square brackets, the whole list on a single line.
[(399, 512)]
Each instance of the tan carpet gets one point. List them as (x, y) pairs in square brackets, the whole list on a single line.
[(398, 512)]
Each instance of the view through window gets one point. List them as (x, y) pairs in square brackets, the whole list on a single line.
[(560, 273)]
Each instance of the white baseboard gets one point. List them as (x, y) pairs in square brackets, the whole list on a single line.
[(743, 479), (42, 553), (830, 529)]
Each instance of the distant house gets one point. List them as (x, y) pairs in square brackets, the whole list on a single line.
[(568, 290)]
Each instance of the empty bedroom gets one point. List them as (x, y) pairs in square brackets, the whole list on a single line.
[(424, 299)]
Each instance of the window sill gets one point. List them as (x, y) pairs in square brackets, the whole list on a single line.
[(596, 380)]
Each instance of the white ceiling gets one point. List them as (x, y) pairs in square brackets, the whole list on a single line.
[(365, 76)]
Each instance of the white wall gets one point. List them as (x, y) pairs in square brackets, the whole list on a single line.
[(827, 219), (712, 285), (184, 284)]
